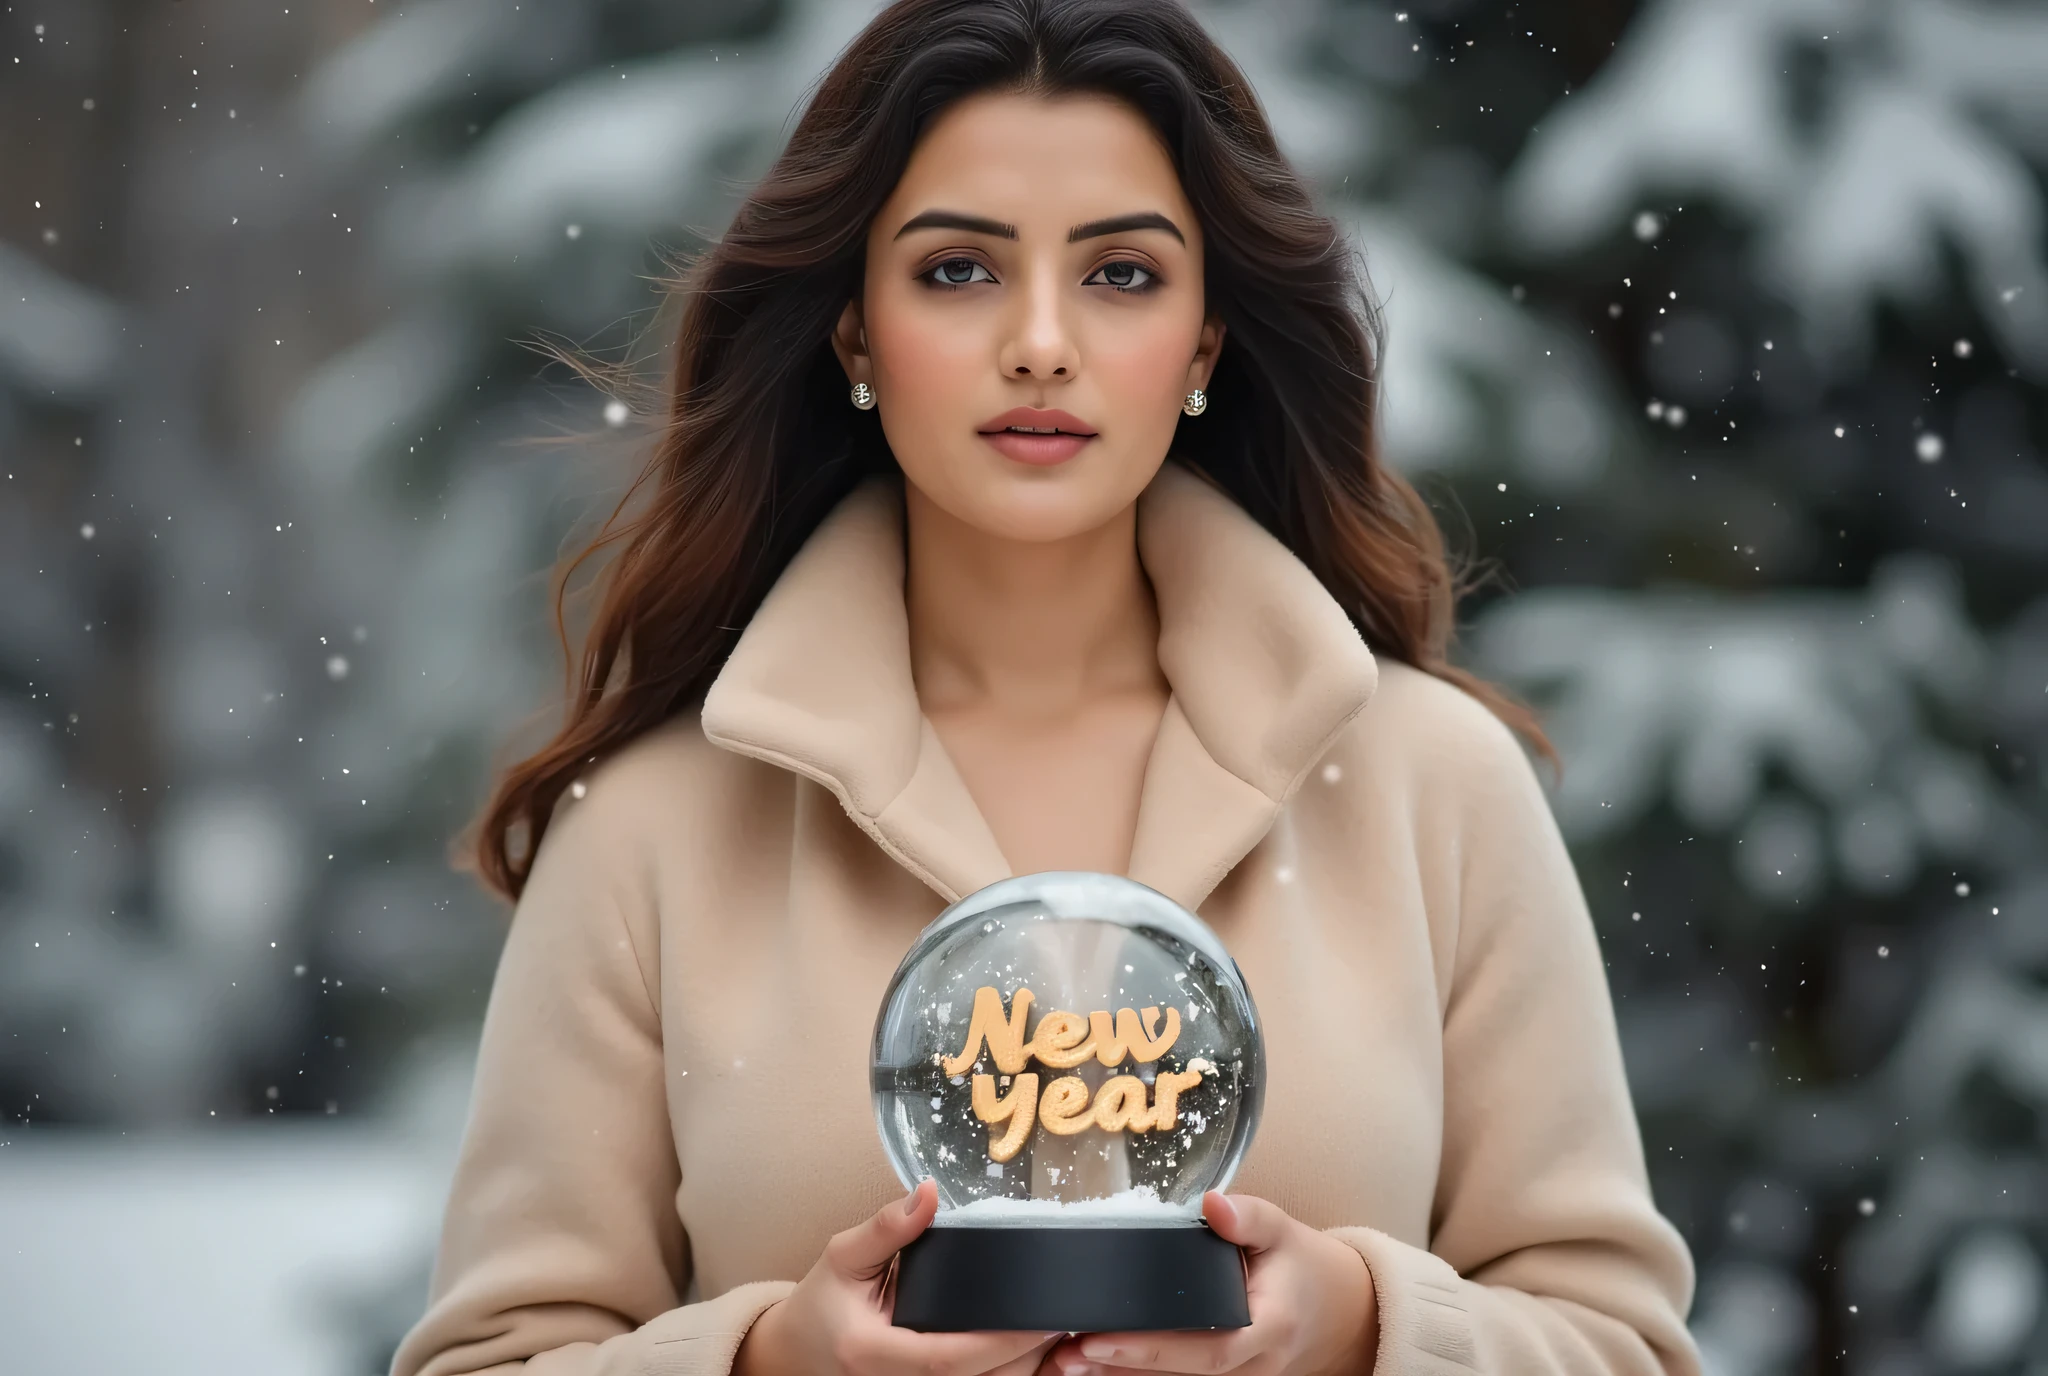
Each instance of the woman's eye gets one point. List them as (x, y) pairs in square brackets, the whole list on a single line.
[(1122, 276), (958, 272)]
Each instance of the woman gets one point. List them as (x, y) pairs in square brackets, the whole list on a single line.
[(1023, 421)]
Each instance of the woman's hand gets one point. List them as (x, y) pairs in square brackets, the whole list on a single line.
[(1313, 1309), (835, 1322)]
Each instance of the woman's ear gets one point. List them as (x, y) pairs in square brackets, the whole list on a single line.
[(850, 342), (1208, 344)]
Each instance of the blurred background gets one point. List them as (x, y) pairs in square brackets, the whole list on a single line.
[(1718, 328)]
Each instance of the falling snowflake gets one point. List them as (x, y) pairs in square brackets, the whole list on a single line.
[(1928, 447)]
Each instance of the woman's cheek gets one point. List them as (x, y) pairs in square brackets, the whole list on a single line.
[(1146, 372), (928, 371)]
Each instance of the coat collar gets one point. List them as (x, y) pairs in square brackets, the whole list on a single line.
[(1263, 665)]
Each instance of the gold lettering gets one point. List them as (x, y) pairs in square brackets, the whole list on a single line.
[(1120, 1104), (1063, 1109), (1147, 1045), (1110, 1049), (1005, 1036), (1128, 1039), (1061, 1041), (1166, 1088), (1018, 1107)]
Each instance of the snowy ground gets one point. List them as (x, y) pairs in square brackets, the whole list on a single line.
[(250, 1251)]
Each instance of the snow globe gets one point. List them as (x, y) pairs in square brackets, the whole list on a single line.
[(1073, 1058)]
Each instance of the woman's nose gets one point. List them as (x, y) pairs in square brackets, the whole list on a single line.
[(1041, 342)]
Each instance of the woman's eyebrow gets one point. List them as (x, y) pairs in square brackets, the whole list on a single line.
[(954, 219), (1117, 224), (1094, 229)]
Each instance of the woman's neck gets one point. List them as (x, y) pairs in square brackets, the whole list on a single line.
[(1031, 628)]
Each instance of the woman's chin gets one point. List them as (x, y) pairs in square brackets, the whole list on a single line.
[(1041, 505)]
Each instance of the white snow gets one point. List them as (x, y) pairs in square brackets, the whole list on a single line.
[(230, 1253), (55, 335), (1698, 699), (1139, 1206), (1907, 169)]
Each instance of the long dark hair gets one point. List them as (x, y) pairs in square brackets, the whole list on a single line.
[(759, 443)]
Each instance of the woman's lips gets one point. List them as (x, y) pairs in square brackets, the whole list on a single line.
[(1029, 435), (1039, 449)]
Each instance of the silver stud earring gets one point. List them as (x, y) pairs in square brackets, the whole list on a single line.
[(1197, 402), (863, 396)]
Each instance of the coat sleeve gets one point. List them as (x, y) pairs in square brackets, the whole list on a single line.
[(1546, 1255), (562, 1253)]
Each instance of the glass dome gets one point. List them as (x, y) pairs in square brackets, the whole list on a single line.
[(1067, 1048)]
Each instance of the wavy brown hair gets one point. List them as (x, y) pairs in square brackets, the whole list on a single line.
[(758, 442)]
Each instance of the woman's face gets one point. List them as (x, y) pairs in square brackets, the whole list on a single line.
[(1032, 316)]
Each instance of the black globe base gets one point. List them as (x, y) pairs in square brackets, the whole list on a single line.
[(1072, 1280)]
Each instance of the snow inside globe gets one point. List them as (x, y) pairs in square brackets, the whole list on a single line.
[(1067, 1049)]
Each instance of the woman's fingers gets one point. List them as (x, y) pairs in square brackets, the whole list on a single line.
[(837, 1319), (1031, 1361), (1258, 1227), (1246, 1220), (951, 1354), (863, 1251), (1211, 1351)]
